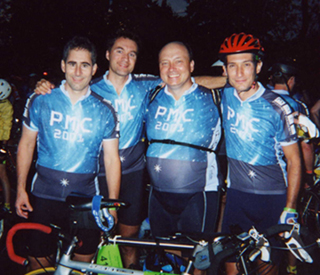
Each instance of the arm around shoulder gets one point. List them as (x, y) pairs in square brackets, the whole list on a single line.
[(43, 87), (211, 82)]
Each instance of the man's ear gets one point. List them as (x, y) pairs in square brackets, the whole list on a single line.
[(224, 70), (94, 69), (192, 66), (108, 55), (291, 82), (259, 66), (63, 66)]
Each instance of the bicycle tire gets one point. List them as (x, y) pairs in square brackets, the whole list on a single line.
[(310, 207), (50, 271)]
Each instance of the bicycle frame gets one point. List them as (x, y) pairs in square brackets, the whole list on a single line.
[(65, 265)]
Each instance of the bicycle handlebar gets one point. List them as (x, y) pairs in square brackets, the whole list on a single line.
[(219, 257), (22, 226), (82, 203)]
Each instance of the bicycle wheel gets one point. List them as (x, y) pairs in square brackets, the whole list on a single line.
[(49, 270), (310, 207)]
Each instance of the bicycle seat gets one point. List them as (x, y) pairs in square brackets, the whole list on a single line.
[(83, 202)]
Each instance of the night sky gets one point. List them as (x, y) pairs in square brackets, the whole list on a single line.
[(32, 33)]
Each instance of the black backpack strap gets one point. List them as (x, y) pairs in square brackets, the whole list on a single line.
[(153, 93), (170, 141), (216, 95)]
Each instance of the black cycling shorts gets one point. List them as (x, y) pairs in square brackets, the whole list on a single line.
[(191, 213), (244, 210), (47, 212), (133, 191)]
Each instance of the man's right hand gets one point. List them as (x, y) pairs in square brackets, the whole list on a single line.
[(43, 87), (23, 206)]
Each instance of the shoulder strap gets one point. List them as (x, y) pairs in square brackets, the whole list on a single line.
[(99, 97), (153, 93), (216, 95), (170, 141)]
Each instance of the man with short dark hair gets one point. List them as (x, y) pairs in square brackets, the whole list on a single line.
[(70, 126), (259, 132)]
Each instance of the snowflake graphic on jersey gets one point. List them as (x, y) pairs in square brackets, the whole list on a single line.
[(252, 174), (157, 168), (64, 182), (122, 159)]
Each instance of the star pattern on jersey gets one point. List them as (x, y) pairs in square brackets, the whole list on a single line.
[(157, 168), (64, 182), (122, 159), (252, 174)]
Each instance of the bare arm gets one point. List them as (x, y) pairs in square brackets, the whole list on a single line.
[(293, 157), (113, 169), (211, 82), (314, 113), (24, 158), (43, 87)]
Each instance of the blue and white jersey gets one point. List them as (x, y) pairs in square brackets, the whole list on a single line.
[(255, 131), (69, 141), (130, 106), (193, 119)]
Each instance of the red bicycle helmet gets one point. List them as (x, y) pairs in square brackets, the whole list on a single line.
[(241, 43)]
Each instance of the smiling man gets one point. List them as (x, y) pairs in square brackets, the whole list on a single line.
[(263, 154), (69, 126), (183, 127)]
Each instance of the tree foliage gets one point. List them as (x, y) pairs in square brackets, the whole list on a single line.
[(5, 17), (33, 33)]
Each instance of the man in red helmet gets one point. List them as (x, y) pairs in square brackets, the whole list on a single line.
[(259, 132)]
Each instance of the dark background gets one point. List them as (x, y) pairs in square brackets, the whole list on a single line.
[(33, 32)]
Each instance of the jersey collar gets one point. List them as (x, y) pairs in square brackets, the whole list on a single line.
[(65, 92), (281, 92), (189, 91), (255, 96), (105, 77)]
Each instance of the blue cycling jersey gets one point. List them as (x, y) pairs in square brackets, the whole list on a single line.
[(130, 106), (69, 141), (255, 131), (193, 119)]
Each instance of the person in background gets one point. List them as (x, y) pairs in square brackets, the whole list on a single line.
[(6, 114), (283, 78)]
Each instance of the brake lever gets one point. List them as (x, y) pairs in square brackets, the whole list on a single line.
[(262, 246), (296, 245)]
